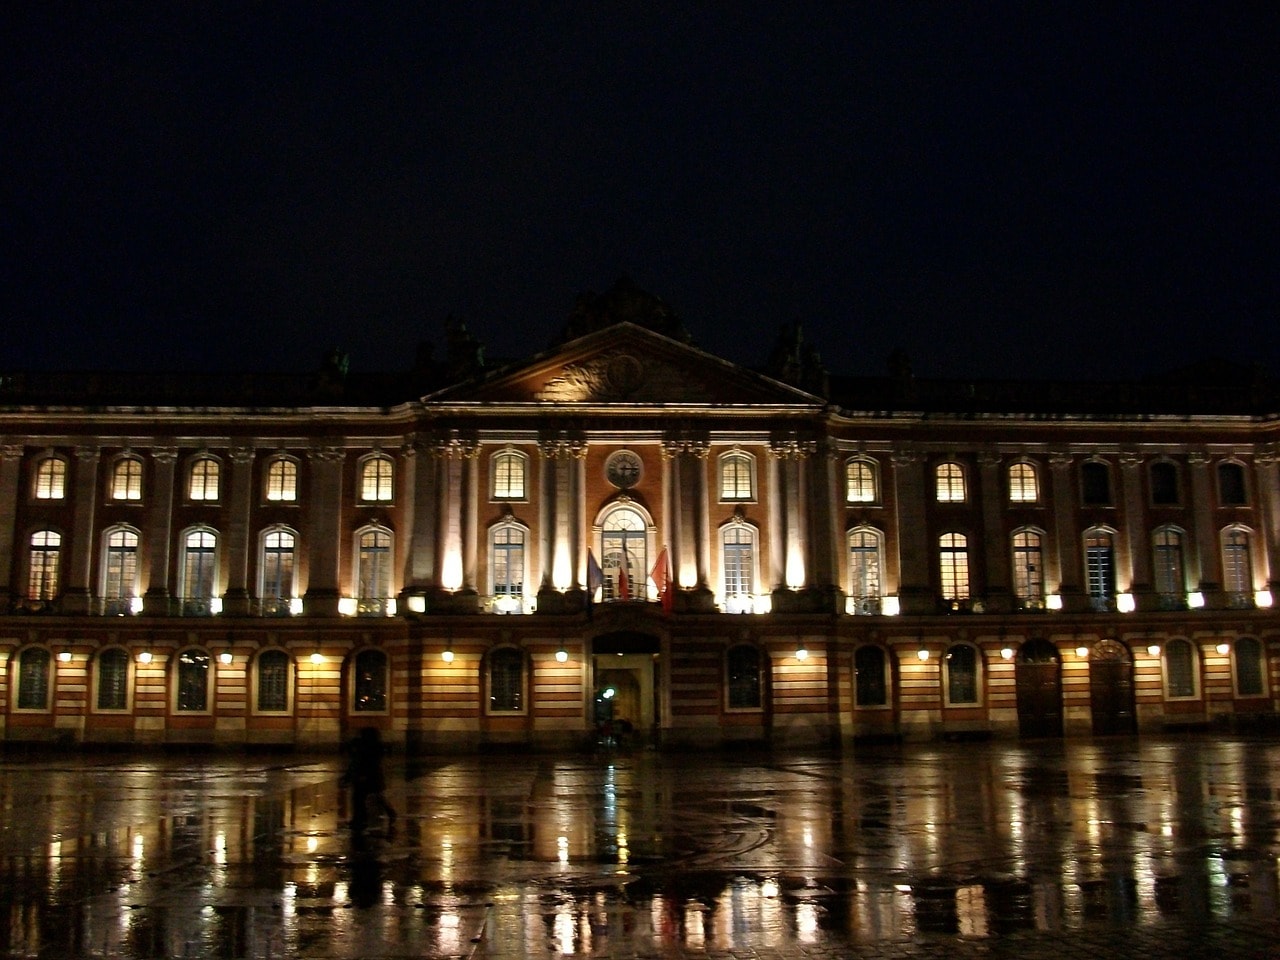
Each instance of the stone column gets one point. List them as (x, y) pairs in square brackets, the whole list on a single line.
[(823, 537), (77, 595), (414, 572), (1269, 503), (777, 532), (325, 533), (10, 471), (910, 490), (546, 519), (155, 601), (998, 597), (470, 493), (1134, 523), (235, 602), (1067, 534), (1208, 550)]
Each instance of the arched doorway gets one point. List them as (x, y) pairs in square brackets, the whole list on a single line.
[(1039, 682), (1111, 688), (626, 701)]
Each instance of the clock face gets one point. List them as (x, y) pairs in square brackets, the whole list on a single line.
[(623, 469)]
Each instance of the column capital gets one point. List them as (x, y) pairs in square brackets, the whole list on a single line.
[(165, 455), (11, 451), (989, 458), (326, 454), (1198, 458), (87, 453), (1060, 459), (242, 454)]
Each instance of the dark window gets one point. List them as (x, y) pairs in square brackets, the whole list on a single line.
[(743, 663), (962, 674), (1095, 484), (33, 679), (193, 680), (1164, 483), (506, 680), (371, 681), (1179, 664), (1231, 484), (113, 680), (273, 681), (1249, 667), (870, 687)]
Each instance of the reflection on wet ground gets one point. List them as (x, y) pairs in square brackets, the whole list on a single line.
[(1124, 847)]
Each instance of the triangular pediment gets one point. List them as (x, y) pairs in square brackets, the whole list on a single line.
[(625, 364)]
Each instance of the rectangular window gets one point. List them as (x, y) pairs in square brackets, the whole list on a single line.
[(126, 480), (273, 682), (859, 482), (508, 561), (33, 679), (508, 476), (193, 681), (506, 681), (1028, 568), (954, 567), (736, 478), (739, 562), (113, 680), (51, 479)]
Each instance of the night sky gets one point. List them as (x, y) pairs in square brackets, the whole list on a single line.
[(1020, 190)]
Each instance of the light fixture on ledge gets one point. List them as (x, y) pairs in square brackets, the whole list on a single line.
[(802, 652), (562, 654), (447, 656), (923, 653)]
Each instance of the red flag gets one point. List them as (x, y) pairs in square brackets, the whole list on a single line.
[(661, 577), (624, 585)]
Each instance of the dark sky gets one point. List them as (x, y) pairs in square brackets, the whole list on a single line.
[(1021, 190)]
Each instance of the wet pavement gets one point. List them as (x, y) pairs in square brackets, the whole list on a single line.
[(1117, 848)]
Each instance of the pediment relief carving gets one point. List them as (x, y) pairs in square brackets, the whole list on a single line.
[(618, 376)]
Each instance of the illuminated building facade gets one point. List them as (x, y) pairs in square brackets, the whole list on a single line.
[(627, 536)]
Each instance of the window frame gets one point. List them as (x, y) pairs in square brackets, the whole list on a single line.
[(1017, 488), (868, 470), (752, 545), (885, 682), (506, 460), (128, 591), (48, 679), (206, 470), (375, 461), (1236, 470), (49, 569), (1161, 569), (280, 480), (1259, 660), (876, 549), (185, 552), (50, 476), (954, 551), (1236, 543), (950, 482), (96, 693), (208, 679), (1100, 599), (129, 470), (949, 682), (1193, 669), (290, 674), (1092, 472), (744, 466), (497, 549), (381, 683), (735, 683), (266, 551), (503, 654), (1022, 575), (1174, 477), (358, 568)]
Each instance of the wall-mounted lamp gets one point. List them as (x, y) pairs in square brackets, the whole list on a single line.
[(447, 656), (317, 658), (1082, 651), (1153, 649), (562, 655), (64, 656), (802, 652), (1223, 648), (225, 657), (923, 653), (144, 656), (1006, 653)]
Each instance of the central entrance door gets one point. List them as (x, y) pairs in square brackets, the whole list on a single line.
[(625, 692), (1039, 679)]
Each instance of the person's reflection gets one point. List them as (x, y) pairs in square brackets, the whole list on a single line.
[(366, 872)]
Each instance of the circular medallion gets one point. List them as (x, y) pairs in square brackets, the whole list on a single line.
[(623, 469)]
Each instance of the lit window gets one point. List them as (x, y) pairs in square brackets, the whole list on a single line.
[(1100, 568), (126, 479), (737, 477), (507, 544), (204, 479), (953, 559), (1170, 579), (373, 576), (961, 666), (119, 570), (113, 679), (1250, 665), (865, 564), (370, 686), (506, 681), (949, 483), (1164, 484), (1179, 669), (624, 555), (1024, 485), (1095, 483), (199, 571), (1028, 568), (509, 476), (870, 669), (273, 669), (1231, 486), (42, 580), (51, 479), (376, 475), (742, 666), (1237, 568), (34, 668), (739, 553), (860, 482), (279, 548), (282, 480), (193, 681)]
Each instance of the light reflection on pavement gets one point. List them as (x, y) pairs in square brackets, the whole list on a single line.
[(1116, 847)]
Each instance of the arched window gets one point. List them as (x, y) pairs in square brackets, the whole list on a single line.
[(1180, 670), (871, 676), (42, 577), (119, 570), (949, 482), (272, 671), (861, 481), (506, 680), (507, 567), (1095, 483), (373, 571), (1100, 568), (509, 475), (376, 479), (193, 681), (276, 574), (34, 679), (961, 668), (1250, 667), (369, 686), (953, 563), (866, 562), (1170, 576), (744, 677), (737, 477), (1164, 484), (199, 564), (1231, 485), (624, 554), (203, 482), (126, 479), (51, 479), (112, 679), (282, 480), (1024, 484), (1237, 567), (738, 554), (1028, 569)]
